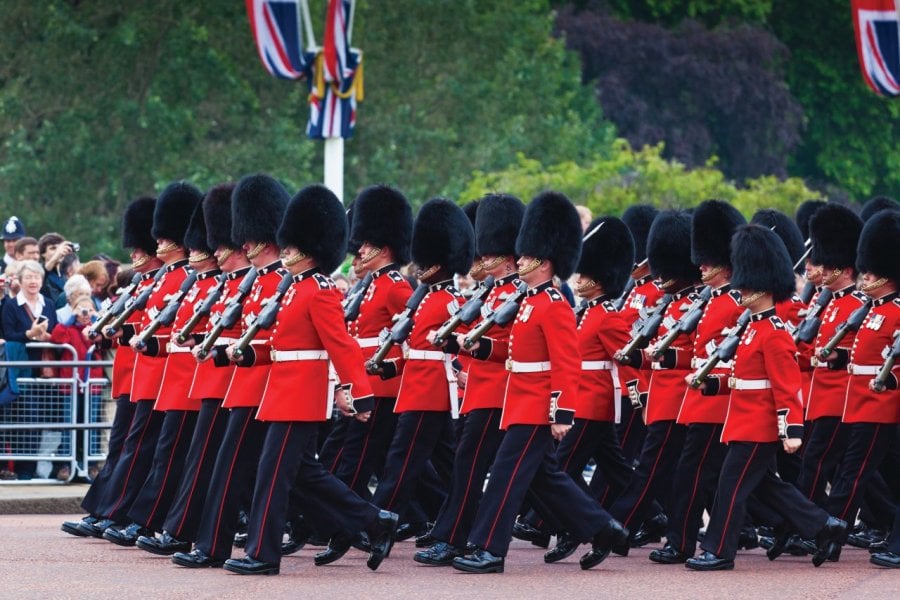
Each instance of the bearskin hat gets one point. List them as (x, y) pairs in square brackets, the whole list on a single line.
[(217, 215), (551, 230), (471, 210), (442, 235), (607, 254), (712, 225), (785, 228), (137, 224), (497, 225), (760, 262), (383, 217), (669, 247), (173, 211), (804, 213), (834, 231), (315, 223), (639, 218), (257, 207), (879, 245), (877, 204), (195, 238)]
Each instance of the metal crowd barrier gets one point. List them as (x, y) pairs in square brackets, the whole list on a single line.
[(61, 420)]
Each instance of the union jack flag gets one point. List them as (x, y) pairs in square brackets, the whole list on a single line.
[(877, 27), (279, 37)]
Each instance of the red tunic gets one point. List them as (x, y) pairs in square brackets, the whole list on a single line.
[(310, 318), (721, 312), (486, 385), (765, 353), (149, 369), (644, 295), (791, 313), (667, 384), (601, 332), (248, 384), (386, 297), (543, 333), (424, 385), (829, 386), (123, 363), (873, 340)]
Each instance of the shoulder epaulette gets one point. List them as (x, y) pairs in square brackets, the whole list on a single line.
[(325, 282), (395, 276), (735, 295), (609, 305), (777, 323), (860, 296), (555, 295)]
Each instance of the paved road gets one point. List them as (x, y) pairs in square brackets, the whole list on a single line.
[(40, 561)]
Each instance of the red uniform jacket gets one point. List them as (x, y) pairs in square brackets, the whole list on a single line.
[(543, 332), (180, 363), (791, 313), (149, 369), (486, 385), (667, 385), (212, 377), (310, 319), (123, 363), (765, 353), (829, 380), (873, 340), (386, 297), (721, 312), (601, 332), (248, 384), (644, 295)]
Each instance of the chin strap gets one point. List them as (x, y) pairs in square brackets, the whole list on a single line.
[(534, 264), (256, 250)]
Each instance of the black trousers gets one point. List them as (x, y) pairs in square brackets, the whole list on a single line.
[(134, 462), (475, 451), (696, 478), (653, 476), (152, 503), (183, 518), (867, 446), (117, 434), (231, 485), (330, 452), (749, 467), (527, 458), (366, 446), (822, 452), (288, 459), (631, 431)]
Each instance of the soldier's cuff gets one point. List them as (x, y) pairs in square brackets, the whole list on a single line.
[(388, 369), (451, 346), (669, 359), (711, 386), (248, 357), (363, 404), (891, 383), (154, 347), (128, 332), (562, 416), (198, 338), (636, 359), (787, 430), (485, 348), (219, 358), (840, 363)]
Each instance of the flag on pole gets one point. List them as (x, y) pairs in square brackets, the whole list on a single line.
[(876, 24), (276, 26)]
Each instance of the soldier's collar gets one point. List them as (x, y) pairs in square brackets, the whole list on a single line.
[(306, 274), (148, 275), (884, 299), (272, 266), (764, 314), (643, 280), (440, 285), (176, 265), (721, 290), (683, 292), (238, 272), (540, 287), (383, 270), (207, 274), (504, 280), (598, 300), (843, 292)]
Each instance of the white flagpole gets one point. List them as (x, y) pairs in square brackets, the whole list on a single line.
[(334, 147)]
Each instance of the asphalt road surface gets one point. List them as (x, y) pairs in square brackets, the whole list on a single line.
[(40, 561)]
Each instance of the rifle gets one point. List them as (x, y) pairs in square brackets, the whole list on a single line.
[(136, 303), (355, 297), (880, 381), (620, 301), (687, 323), (467, 313), (853, 323), (646, 331), (116, 307), (808, 248), (230, 316), (266, 315), (502, 315), (397, 334), (724, 351), (203, 310), (806, 294), (808, 328), (167, 315)]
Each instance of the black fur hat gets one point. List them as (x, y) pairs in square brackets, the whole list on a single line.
[(669, 247), (195, 238), (785, 228), (712, 224), (382, 216), (315, 222), (173, 211), (879, 245), (551, 230), (217, 214), (834, 231), (471, 210), (137, 223), (877, 204), (497, 225), (257, 207), (639, 218), (442, 235), (804, 213), (607, 254), (760, 262)]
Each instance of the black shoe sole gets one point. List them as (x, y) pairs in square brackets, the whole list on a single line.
[(124, 542), (433, 563), (239, 571), (477, 571), (214, 564), (73, 530), (666, 560), (728, 566), (159, 550)]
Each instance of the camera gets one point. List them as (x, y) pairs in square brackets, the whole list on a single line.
[(76, 247)]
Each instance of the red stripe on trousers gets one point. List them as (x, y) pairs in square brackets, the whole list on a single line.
[(733, 498), (509, 486)]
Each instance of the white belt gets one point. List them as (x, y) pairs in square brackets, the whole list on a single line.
[(863, 369), (173, 349), (749, 384), (413, 354), (369, 342), (291, 355), (453, 386), (697, 362), (596, 365), (657, 366), (514, 366), (225, 341)]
